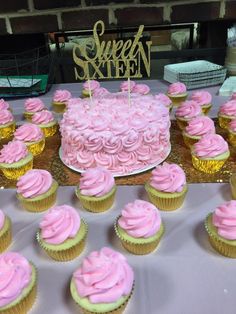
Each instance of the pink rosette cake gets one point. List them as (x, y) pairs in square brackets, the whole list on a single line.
[(196, 128), (5, 231), (62, 233), (60, 99), (36, 190), (163, 99), (96, 190), (15, 159), (89, 87), (18, 280), (139, 227), (210, 153), (7, 124), (45, 120), (204, 99), (142, 89), (124, 86), (227, 113), (167, 186), (187, 110), (103, 283), (177, 92), (4, 105), (221, 228), (33, 105)]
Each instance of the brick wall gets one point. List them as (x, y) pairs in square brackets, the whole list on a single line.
[(32, 16)]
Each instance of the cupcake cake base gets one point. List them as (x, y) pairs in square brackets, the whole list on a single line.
[(7, 130), (15, 170)]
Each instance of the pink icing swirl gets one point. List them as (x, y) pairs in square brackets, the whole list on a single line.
[(188, 109), (61, 95), (200, 125), (229, 108), (163, 99), (59, 224), (124, 86), (100, 91), (28, 133), (5, 117), (142, 89), (42, 117), (93, 85), (168, 178), (210, 145), (34, 105), (201, 97), (177, 88), (4, 105), (140, 219), (13, 152), (15, 276), (2, 219), (104, 277), (232, 125), (96, 182), (34, 183), (224, 219)]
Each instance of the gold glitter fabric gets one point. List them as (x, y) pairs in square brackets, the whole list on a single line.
[(49, 159)]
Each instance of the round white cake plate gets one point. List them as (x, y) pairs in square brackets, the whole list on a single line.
[(115, 174)]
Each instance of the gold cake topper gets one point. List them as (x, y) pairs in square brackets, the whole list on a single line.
[(113, 59)]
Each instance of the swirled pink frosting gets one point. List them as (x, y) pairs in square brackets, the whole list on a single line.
[(104, 277), (163, 99), (142, 89), (96, 182), (42, 117), (168, 178), (201, 97), (228, 108), (124, 86), (13, 152), (188, 109), (210, 145), (92, 83), (61, 95), (2, 219), (100, 91), (34, 182), (5, 117), (177, 88), (233, 97), (232, 125), (59, 224), (199, 126), (15, 276), (34, 105), (3, 104), (28, 133), (140, 219), (224, 219)]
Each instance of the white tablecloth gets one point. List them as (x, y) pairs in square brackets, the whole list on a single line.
[(183, 276)]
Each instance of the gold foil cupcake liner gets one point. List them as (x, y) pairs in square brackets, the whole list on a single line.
[(28, 116), (232, 139), (58, 107), (67, 254), (7, 131), (206, 109), (181, 123), (176, 100), (207, 166), (224, 122), (37, 147), (6, 237), (97, 205), (49, 130), (14, 173), (232, 182), (189, 141)]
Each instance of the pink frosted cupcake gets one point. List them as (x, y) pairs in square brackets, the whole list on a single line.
[(60, 98), (124, 86), (7, 124), (139, 227), (196, 128), (165, 100), (227, 113), (203, 98), (32, 136), (62, 233), (232, 133), (90, 86), (167, 186), (142, 89), (4, 105), (5, 231), (96, 190), (100, 91), (210, 153), (188, 110), (177, 92), (46, 122), (33, 105), (103, 284), (37, 190), (15, 160)]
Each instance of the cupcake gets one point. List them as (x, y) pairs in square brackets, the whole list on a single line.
[(4, 105), (37, 190), (196, 128), (32, 136), (139, 227), (103, 284), (177, 92), (5, 231), (202, 98), (210, 153), (18, 279), (46, 122), (7, 124), (165, 100), (124, 86), (89, 87), (167, 187), (232, 132), (221, 228), (60, 98), (32, 105), (100, 91), (142, 89), (62, 233), (96, 190), (227, 113), (15, 160), (187, 110)]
